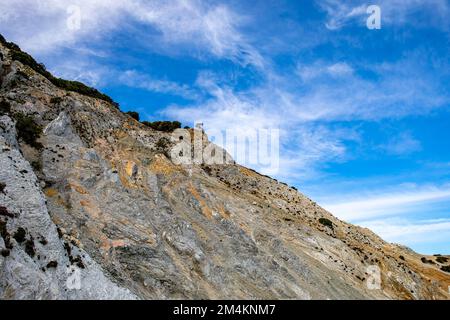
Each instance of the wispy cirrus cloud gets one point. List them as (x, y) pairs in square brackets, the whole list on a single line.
[(135, 79), (303, 102), (405, 199), (320, 69), (402, 144), (269, 66), (42, 26), (394, 12), (426, 236)]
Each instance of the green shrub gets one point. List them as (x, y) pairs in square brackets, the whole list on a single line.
[(28, 130), (165, 126), (75, 86), (19, 235), (442, 259), (326, 222), (5, 107), (22, 74), (9, 45), (446, 269), (133, 114), (425, 260), (37, 166), (81, 88), (56, 100), (162, 146), (28, 60)]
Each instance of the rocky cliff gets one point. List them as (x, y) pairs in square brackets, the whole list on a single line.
[(93, 207)]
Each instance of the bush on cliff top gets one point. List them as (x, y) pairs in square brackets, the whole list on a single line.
[(75, 86), (133, 114), (166, 126)]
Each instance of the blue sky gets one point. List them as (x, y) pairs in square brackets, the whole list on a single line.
[(363, 114)]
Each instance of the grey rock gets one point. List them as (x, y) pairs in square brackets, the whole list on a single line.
[(121, 220)]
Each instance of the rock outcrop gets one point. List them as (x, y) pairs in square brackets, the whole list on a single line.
[(100, 211)]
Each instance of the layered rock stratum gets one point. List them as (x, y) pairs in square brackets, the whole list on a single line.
[(96, 209)]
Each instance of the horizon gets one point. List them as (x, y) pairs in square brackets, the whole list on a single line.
[(362, 113)]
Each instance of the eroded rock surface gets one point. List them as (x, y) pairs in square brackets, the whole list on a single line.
[(107, 202)]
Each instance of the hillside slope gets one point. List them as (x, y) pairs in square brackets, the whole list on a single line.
[(94, 208)]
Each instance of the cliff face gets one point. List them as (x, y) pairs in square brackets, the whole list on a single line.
[(103, 213)]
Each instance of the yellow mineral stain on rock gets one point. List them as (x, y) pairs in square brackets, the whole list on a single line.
[(248, 173), (91, 208), (85, 203), (78, 188), (205, 209), (162, 165), (223, 212), (130, 168), (50, 192), (118, 243)]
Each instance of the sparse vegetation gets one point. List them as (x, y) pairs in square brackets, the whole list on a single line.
[(37, 166), (326, 222), (162, 146), (19, 235), (442, 259), (75, 86), (5, 212), (5, 107), (5, 252), (427, 261), (22, 74), (29, 248), (2, 187), (43, 241), (28, 130), (207, 169), (446, 269), (165, 126), (56, 100), (133, 114), (5, 235), (402, 258)]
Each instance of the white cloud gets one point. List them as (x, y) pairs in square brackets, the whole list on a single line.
[(411, 232), (303, 146), (319, 69), (303, 107), (340, 69), (403, 200), (135, 79), (41, 26), (402, 144), (338, 92), (393, 12)]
